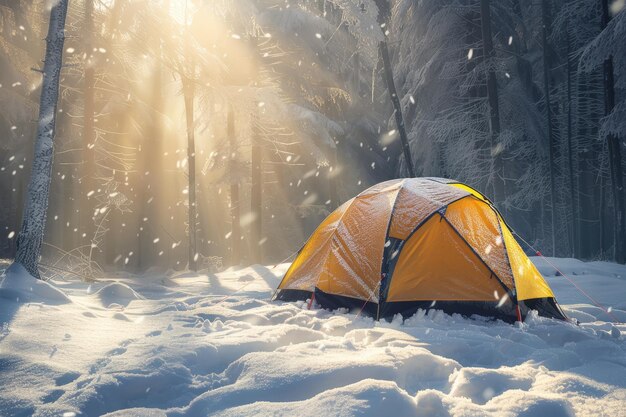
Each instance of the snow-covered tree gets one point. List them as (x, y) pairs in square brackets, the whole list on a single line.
[(31, 234)]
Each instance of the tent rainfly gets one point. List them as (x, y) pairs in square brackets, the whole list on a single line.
[(418, 243)]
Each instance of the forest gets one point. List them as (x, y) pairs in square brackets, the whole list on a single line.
[(216, 133), (312, 208)]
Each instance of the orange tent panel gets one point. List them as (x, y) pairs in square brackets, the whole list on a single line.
[(436, 264), (354, 262), (477, 222), (309, 264)]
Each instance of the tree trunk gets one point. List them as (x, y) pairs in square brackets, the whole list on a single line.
[(151, 196), (235, 251), (17, 188), (570, 158), (588, 170), (188, 92), (256, 195), (602, 219), (88, 197), (397, 109), (551, 144), (494, 109), (384, 14), (30, 237), (615, 157)]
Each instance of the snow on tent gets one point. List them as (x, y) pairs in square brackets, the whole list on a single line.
[(418, 243)]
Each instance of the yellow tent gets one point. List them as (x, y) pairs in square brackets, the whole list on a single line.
[(417, 243)]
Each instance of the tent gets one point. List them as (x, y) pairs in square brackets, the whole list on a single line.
[(418, 243)]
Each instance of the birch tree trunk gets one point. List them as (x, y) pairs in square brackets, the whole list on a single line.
[(615, 157), (30, 237)]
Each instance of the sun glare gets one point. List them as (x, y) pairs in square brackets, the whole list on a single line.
[(181, 10)]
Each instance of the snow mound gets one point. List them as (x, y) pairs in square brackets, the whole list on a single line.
[(20, 286), (481, 385), (366, 398), (209, 347), (116, 293)]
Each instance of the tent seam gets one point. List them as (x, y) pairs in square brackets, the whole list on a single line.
[(506, 251), (507, 289), (382, 260), (401, 247)]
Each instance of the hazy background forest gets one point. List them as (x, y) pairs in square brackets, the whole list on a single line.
[(269, 114)]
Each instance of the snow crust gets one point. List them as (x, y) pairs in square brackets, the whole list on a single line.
[(199, 345)]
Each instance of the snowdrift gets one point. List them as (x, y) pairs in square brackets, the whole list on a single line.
[(116, 293), (18, 285), (216, 346)]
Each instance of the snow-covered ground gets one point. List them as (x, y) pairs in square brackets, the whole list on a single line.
[(198, 345)]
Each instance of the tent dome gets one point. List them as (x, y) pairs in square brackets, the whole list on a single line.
[(413, 243)]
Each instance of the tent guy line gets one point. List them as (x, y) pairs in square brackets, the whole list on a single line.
[(583, 292)]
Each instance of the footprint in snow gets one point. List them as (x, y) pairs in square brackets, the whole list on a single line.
[(66, 378), (117, 351), (121, 316), (52, 396), (127, 342)]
